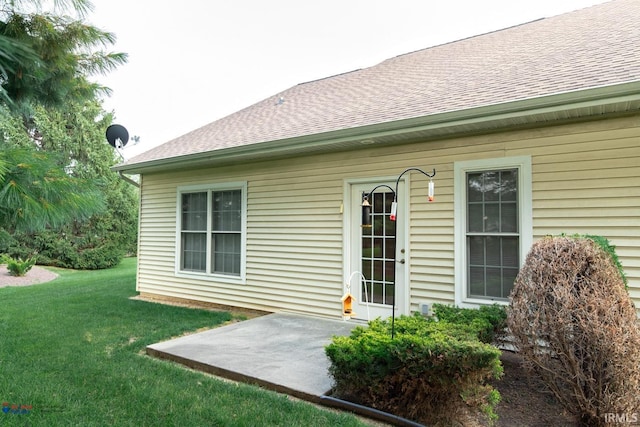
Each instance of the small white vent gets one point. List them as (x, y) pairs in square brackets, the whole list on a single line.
[(426, 309)]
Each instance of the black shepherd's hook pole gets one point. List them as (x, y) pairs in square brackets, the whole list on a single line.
[(430, 176), (366, 222)]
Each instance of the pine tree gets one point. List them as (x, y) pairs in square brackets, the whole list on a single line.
[(55, 180)]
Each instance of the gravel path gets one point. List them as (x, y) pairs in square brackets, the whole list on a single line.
[(34, 276)]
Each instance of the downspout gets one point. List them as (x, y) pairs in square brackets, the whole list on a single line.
[(127, 179)]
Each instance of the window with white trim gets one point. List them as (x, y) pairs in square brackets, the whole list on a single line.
[(493, 226), (211, 230), (492, 235)]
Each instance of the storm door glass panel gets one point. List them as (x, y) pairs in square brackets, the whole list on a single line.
[(226, 241), (492, 233), (378, 252), (194, 232)]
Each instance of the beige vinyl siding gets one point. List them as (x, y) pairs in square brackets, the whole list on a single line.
[(294, 233), (294, 241), (294, 237), (585, 177), (431, 239), (588, 182)]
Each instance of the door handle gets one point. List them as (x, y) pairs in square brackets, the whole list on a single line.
[(401, 261)]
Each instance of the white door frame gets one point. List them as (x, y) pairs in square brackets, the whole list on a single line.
[(351, 245)]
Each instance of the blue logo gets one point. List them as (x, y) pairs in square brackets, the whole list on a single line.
[(12, 408)]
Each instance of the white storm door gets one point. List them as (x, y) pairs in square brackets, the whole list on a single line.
[(378, 252)]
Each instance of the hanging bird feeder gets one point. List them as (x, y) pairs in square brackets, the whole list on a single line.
[(347, 305)]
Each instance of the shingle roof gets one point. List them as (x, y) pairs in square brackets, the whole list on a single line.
[(589, 48)]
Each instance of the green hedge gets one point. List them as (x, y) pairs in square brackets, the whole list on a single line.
[(489, 321), (81, 252), (429, 371)]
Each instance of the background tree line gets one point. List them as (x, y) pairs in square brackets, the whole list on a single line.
[(59, 200)]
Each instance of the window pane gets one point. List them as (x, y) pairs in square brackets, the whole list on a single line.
[(476, 250), (493, 285), (509, 218), (390, 226), (493, 265), (493, 250), (378, 247), (378, 225), (194, 211), (493, 275), (366, 269), (475, 218), (194, 251), (389, 248), (509, 183), (492, 196), (227, 210), (378, 266), (474, 187), (510, 252), (476, 281), (366, 248), (376, 294), (491, 186), (226, 253), (390, 271), (378, 202), (492, 217)]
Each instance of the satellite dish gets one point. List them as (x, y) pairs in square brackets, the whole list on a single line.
[(117, 135)]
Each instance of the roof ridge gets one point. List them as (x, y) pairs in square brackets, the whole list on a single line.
[(467, 38), (329, 77)]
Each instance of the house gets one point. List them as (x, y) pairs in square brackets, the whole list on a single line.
[(533, 130)]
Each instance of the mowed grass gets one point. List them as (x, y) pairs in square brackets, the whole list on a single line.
[(72, 350)]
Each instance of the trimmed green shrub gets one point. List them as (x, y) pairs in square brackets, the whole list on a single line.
[(19, 267), (425, 373), (575, 326), (489, 321)]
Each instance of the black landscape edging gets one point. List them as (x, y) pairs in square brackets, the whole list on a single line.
[(367, 411)]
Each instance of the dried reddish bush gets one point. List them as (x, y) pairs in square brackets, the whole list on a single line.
[(576, 327)]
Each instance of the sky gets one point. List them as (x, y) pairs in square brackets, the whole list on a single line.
[(195, 61)]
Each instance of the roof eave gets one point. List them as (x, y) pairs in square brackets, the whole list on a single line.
[(582, 103)]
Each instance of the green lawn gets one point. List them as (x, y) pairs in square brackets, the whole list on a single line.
[(72, 352)]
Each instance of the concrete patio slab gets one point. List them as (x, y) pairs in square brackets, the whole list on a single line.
[(282, 352)]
